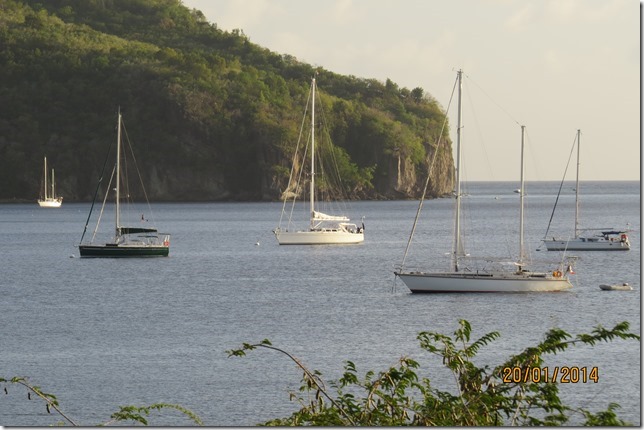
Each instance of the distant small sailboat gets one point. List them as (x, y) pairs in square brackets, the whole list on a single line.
[(49, 200), (606, 239), (127, 241)]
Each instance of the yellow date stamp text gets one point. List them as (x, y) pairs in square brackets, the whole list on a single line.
[(560, 374)]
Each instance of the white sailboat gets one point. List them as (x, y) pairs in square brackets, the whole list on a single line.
[(323, 229), (461, 279), (604, 239), (49, 200)]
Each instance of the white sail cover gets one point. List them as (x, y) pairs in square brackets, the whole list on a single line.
[(319, 216)]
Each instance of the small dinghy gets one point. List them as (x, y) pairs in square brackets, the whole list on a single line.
[(622, 287)]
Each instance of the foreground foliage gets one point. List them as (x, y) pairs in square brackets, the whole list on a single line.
[(125, 415), (483, 397), (397, 396)]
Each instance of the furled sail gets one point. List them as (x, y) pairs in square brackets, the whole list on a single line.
[(135, 230), (319, 216)]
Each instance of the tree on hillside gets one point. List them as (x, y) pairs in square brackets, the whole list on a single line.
[(211, 109)]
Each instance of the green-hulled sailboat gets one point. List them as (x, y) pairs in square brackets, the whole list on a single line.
[(140, 241)]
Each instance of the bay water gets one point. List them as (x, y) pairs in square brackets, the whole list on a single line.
[(102, 333)]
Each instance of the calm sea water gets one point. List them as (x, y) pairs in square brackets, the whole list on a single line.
[(100, 333)]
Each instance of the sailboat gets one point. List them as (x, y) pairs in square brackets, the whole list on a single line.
[(605, 239), (49, 200), (323, 229), (127, 241), (462, 279)]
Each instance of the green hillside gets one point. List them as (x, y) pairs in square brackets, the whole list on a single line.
[(212, 116)]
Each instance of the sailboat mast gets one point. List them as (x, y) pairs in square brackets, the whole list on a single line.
[(457, 225), (312, 194), (118, 174), (577, 187), (521, 195), (53, 190), (45, 178)]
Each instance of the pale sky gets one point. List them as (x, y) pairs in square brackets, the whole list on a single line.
[(554, 66)]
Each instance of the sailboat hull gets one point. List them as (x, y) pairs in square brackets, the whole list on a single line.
[(318, 237), (584, 244), (494, 282), (50, 203), (115, 251)]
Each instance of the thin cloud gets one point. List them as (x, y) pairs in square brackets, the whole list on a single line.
[(583, 10), (521, 18)]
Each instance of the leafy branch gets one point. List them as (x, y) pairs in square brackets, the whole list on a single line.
[(51, 402), (398, 396), (125, 413), (483, 396), (311, 379), (134, 413)]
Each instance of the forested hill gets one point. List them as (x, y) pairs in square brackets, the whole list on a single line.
[(211, 115)]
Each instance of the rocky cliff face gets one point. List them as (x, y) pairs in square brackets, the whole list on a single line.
[(405, 180), (443, 172), (400, 179)]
